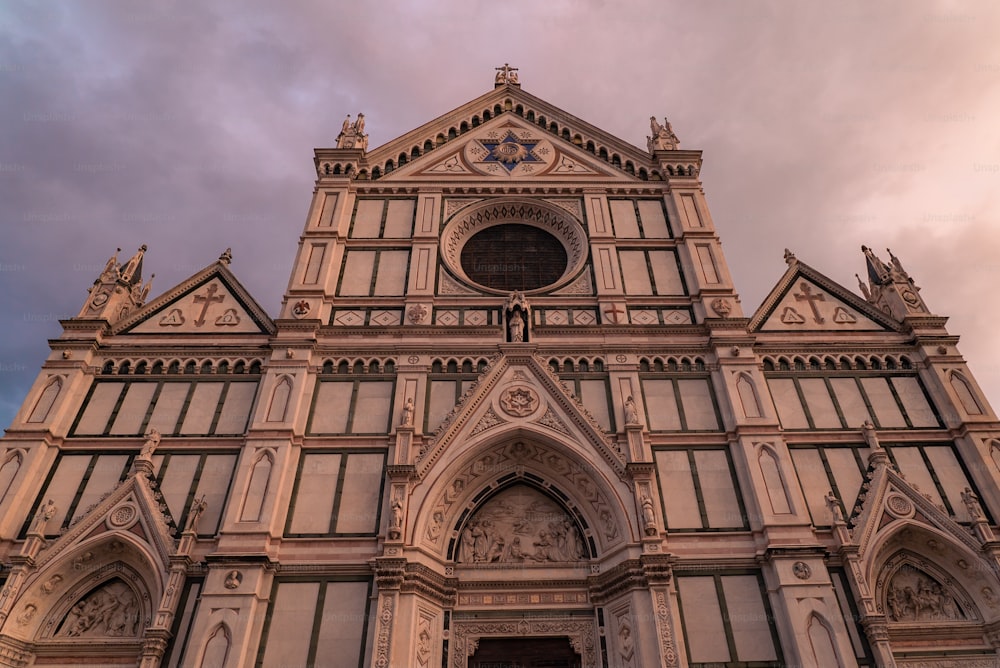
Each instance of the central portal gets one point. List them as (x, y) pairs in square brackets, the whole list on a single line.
[(525, 653)]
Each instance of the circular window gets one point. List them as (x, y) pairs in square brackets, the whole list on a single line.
[(514, 257), (514, 245)]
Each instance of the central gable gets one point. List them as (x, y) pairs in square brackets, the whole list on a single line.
[(507, 148)]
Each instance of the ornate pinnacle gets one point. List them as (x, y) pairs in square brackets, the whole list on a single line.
[(226, 257)]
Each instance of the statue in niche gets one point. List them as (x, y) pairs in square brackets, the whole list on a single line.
[(516, 311), (914, 596), (648, 516), (396, 526), (631, 412), (516, 327), (233, 579), (406, 420), (111, 611), (520, 525)]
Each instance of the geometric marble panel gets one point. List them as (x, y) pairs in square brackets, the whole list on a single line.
[(349, 318)]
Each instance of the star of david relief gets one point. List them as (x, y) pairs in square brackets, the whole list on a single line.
[(509, 150)]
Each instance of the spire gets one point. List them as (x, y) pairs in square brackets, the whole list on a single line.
[(663, 138), (110, 272), (790, 258), (226, 257), (118, 291), (130, 273), (878, 273), (890, 288)]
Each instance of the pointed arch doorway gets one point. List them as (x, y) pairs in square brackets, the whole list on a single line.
[(525, 653)]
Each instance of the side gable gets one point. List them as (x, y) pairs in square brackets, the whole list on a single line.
[(806, 300), (211, 302)]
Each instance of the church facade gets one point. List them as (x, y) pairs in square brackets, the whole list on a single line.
[(511, 413)]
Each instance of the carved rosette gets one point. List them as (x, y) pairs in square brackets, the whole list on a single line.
[(122, 517), (899, 506), (519, 401)]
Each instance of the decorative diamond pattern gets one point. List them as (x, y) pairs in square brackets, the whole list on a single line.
[(584, 318), (349, 318), (448, 318), (386, 318), (677, 317), (644, 317), (556, 317), (475, 318)]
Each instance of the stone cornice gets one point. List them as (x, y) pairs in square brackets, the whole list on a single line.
[(420, 579), (616, 581)]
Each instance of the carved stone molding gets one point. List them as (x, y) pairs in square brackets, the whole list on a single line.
[(524, 455), (554, 220), (466, 634)]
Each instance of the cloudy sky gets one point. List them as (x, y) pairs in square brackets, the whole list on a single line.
[(190, 127)]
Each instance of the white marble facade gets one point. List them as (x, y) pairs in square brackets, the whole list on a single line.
[(511, 407)]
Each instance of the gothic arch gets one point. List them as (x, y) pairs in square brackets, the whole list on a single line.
[(260, 478), (46, 399), (966, 393), (774, 481), (747, 391), (215, 653), (913, 588), (51, 592), (822, 642), (205, 641), (8, 471), (453, 489), (994, 446), (951, 562), (278, 407)]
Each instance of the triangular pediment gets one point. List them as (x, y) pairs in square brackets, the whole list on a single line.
[(508, 148), (211, 302), (806, 300), (131, 507), (887, 502), (120, 549), (463, 143), (518, 392)]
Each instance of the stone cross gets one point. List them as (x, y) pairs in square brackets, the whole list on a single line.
[(207, 300), (808, 296)]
